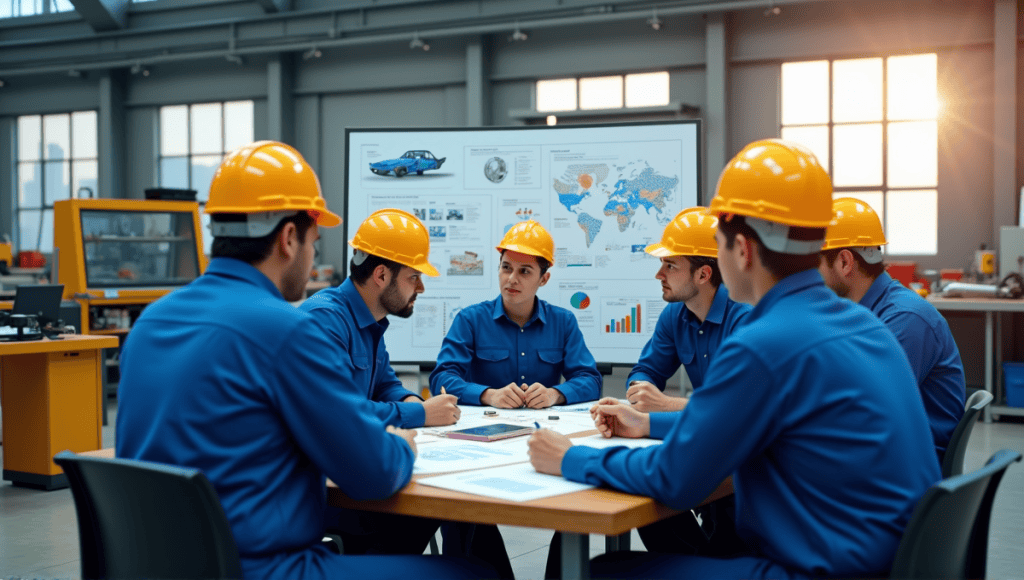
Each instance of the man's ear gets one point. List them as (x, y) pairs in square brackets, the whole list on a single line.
[(544, 279), (745, 252), (704, 274), (847, 263), (381, 276), (287, 241)]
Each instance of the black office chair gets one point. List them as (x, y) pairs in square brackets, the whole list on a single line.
[(947, 536), (145, 520), (953, 460)]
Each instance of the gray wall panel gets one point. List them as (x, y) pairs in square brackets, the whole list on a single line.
[(509, 95), (864, 27), (382, 67), (143, 149), (615, 47), (198, 82), (49, 94)]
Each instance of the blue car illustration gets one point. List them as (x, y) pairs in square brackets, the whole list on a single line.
[(412, 161)]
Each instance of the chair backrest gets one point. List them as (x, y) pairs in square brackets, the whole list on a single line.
[(146, 520), (953, 460), (947, 536)]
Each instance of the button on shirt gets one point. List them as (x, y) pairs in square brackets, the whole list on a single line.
[(934, 357), (225, 376), (484, 350), (681, 338), (345, 317), (813, 409)]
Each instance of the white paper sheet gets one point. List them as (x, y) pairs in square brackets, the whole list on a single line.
[(567, 423), (601, 442), (447, 455), (519, 482)]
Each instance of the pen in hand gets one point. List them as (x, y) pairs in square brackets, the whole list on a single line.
[(536, 424)]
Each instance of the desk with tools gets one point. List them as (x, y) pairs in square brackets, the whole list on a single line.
[(50, 393), (993, 309)]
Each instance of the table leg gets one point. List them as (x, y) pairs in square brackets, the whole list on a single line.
[(618, 543), (989, 383), (575, 556)]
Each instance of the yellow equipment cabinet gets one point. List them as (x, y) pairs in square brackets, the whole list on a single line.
[(118, 255)]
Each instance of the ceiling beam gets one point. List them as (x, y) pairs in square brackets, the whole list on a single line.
[(272, 6), (103, 15)]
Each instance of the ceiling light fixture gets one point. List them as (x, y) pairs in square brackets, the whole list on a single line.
[(313, 52), (137, 68), (75, 73), (654, 21), (1, 83), (234, 58), (416, 42), (518, 35), (772, 10)]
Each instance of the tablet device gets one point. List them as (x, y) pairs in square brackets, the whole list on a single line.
[(491, 432)]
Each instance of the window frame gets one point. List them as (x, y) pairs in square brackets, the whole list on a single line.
[(623, 78), (884, 189)]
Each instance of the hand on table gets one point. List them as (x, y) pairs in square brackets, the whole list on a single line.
[(547, 448), (537, 396), (409, 435), (511, 396), (648, 398), (616, 419), (441, 410)]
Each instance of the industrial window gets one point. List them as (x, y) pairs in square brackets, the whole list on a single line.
[(12, 8), (604, 92), (194, 139), (873, 123), (56, 160)]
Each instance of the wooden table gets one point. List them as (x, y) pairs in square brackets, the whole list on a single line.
[(991, 307), (50, 394), (594, 511)]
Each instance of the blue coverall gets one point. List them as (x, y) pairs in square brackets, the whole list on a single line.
[(484, 350), (812, 408), (225, 376), (925, 337), (345, 317), (680, 338)]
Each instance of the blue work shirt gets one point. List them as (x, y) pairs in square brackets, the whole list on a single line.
[(812, 408), (925, 337), (484, 350), (345, 317), (225, 376), (680, 338)]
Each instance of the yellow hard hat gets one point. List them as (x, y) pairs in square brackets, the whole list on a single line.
[(397, 236), (690, 233), (269, 178), (529, 238), (776, 181), (853, 224)]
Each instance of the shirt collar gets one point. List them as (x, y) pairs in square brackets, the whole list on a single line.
[(875, 291), (539, 310), (232, 268), (363, 317), (717, 312), (788, 285)]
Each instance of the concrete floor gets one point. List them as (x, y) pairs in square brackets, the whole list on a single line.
[(39, 537)]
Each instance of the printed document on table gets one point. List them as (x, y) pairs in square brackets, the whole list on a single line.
[(472, 416), (601, 442), (519, 482), (447, 455)]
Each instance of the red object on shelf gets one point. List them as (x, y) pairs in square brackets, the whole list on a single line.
[(955, 274), (905, 272), (31, 260)]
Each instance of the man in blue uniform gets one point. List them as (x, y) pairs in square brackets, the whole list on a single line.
[(224, 375), (512, 351), (851, 264), (391, 254), (391, 249), (699, 316), (799, 406)]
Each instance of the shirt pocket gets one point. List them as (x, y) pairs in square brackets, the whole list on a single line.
[(687, 358), (552, 356), (361, 361), (492, 354)]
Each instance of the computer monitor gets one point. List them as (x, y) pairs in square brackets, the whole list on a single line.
[(39, 300)]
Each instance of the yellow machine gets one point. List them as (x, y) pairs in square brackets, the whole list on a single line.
[(118, 255)]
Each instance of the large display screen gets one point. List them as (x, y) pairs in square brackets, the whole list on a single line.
[(603, 192)]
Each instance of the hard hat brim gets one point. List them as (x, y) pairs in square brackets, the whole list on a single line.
[(325, 218)]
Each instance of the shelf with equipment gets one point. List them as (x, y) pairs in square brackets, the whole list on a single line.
[(118, 255)]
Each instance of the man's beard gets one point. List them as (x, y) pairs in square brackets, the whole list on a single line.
[(393, 302)]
